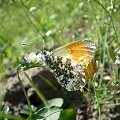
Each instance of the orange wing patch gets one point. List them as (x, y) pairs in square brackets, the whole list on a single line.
[(89, 71), (81, 50)]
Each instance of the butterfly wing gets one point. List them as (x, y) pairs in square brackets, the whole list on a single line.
[(76, 51)]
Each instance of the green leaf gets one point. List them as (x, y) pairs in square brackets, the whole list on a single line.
[(46, 113), (25, 110), (5, 111), (55, 102), (68, 114)]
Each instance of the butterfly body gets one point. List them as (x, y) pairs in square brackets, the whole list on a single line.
[(71, 64)]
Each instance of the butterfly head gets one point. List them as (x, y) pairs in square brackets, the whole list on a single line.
[(34, 58)]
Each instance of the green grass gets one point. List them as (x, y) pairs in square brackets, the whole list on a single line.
[(23, 31)]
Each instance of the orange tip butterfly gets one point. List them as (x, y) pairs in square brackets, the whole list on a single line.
[(71, 64)]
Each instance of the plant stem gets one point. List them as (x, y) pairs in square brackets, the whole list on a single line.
[(110, 19), (103, 59), (25, 93), (116, 72), (48, 82), (98, 104), (97, 24), (39, 93)]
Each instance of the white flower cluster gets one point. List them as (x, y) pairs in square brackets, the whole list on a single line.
[(117, 61), (33, 57)]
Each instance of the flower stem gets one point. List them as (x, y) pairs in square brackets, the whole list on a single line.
[(39, 93), (25, 93)]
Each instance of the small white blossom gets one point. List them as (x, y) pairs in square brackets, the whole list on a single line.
[(117, 61), (81, 4), (32, 9), (48, 33), (118, 52), (34, 58), (107, 77), (96, 84), (31, 58)]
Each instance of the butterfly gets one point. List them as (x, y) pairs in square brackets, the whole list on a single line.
[(71, 64)]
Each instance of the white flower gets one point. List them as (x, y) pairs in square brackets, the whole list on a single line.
[(34, 58), (118, 52), (31, 58), (96, 84), (81, 4), (32, 9), (117, 61), (107, 77), (48, 33)]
